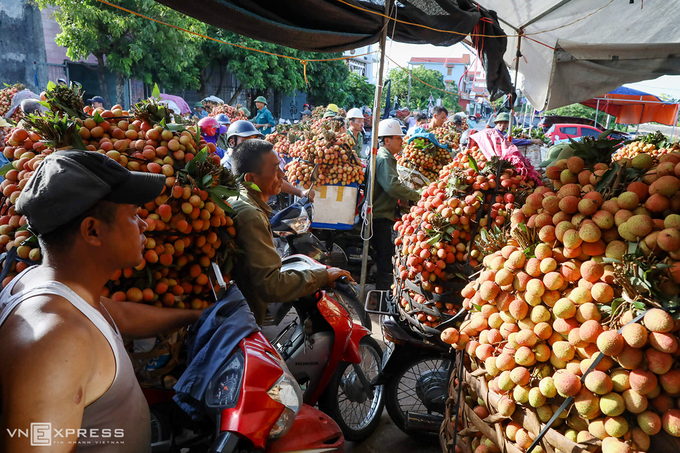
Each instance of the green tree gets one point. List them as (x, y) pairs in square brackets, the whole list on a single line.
[(577, 110), (420, 93), (327, 79), (252, 69), (262, 72), (128, 45), (359, 91)]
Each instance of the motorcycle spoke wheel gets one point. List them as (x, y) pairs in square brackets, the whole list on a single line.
[(345, 400), (401, 395), (407, 399)]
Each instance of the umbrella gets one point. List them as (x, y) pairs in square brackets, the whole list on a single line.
[(213, 99), (172, 106), (180, 103)]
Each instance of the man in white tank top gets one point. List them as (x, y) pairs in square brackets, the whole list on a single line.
[(65, 378)]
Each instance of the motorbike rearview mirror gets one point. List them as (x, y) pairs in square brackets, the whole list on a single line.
[(314, 176), (315, 173), (217, 279)]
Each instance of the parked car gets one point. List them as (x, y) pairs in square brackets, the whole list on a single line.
[(562, 131), (548, 121)]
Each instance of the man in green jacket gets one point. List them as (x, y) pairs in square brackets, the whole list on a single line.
[(258, 274), (355, 126), (387, 192), (264, 120)]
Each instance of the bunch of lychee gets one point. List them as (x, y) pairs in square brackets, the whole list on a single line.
[(427, 161)]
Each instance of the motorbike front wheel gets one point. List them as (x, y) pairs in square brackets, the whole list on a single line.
[(345, 399), (419, 386)]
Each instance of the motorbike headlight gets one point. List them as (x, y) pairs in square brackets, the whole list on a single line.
[(299, 224), (287, 392), (224, 388)]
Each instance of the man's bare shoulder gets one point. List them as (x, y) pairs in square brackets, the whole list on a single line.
[(45, 327)]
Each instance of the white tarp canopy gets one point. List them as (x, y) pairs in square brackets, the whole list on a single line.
[(587, 47)]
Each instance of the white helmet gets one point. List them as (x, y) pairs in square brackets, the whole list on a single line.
[(354, 113), (389, 128)]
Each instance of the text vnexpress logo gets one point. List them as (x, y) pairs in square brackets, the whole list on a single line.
[(42, 435)]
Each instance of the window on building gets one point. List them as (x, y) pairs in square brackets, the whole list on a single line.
[(448, 72)]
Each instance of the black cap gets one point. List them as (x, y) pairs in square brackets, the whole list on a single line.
[(68, 183)]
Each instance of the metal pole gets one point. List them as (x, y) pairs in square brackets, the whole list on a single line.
[(674, 124), (597, 110), (408, 98), (374, 152), (514, 88)]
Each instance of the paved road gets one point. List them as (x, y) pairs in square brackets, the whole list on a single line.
[(388, 438)]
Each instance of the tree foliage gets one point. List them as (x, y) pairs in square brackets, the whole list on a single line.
[(326, 79), (359, 91), (260, 71), (420, 93), (128, 45), (133, 47)]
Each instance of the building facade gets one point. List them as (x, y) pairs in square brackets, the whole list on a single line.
[(363, 65), (464, 73)]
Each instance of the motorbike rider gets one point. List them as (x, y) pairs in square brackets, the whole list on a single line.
[(388, 190), (211, 130), (355, 124), (62, 357), (439, 115), (224, 121), (259, 274), (243, 130)]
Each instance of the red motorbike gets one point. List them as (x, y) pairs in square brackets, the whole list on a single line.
[(335, 360), (257, 400), (256, 405)]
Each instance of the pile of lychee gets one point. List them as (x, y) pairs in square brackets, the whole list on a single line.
[(636, 148), (540, 316), (435, 238), (182, 236), (333, 152)]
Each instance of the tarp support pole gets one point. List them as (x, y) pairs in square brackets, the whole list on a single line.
[(597, 110), (674, 124), (514, 87), (374, 148)]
